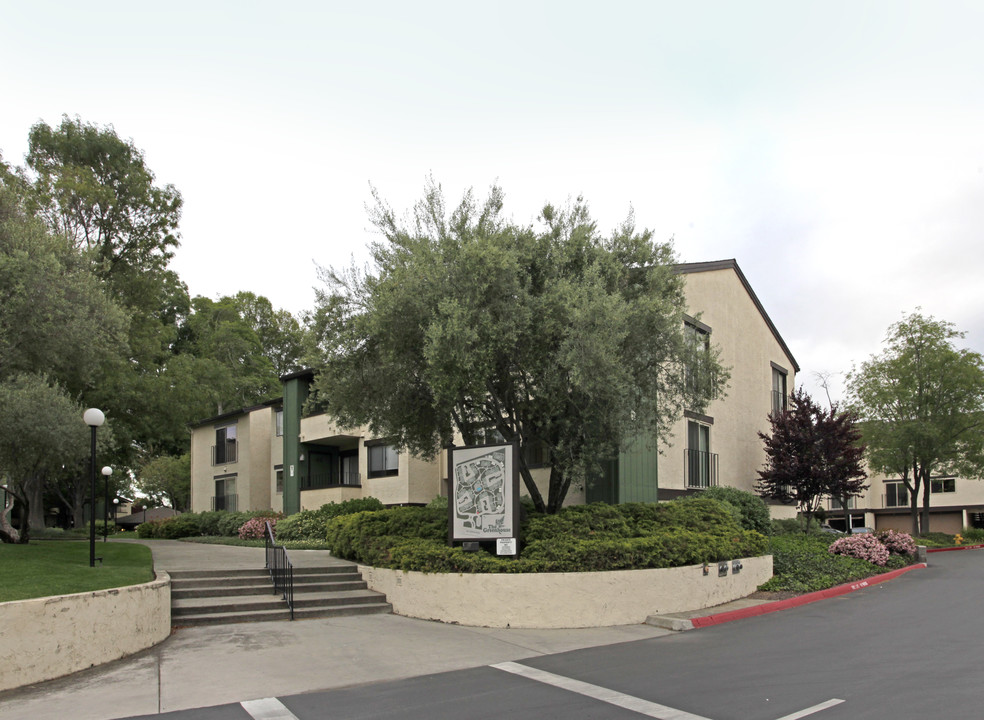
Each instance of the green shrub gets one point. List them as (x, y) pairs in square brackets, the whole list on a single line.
[(803, 563), (973, 535), (754, 513), (579, 538), (177, 527), (311, 524)]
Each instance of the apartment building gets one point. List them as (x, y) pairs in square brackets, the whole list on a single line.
[(272, 456)]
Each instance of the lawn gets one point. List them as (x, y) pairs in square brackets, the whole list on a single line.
[(45, 568)]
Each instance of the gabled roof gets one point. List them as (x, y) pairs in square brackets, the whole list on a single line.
[(732, 264)]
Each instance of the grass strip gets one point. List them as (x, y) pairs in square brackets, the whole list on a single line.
[(45, 568)]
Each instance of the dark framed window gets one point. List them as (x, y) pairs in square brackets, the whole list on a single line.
[(225, 449), (943, 485), (279, 474), (384, 461), (279, 420), (701, 463), (697, 371), (779, 396), (896, 495)]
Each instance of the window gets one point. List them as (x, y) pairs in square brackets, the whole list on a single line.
[(279, 470), (778, 390), (896, 495), (697, 378), (279, 419), (225, 497), (224, 450), (384, 461), (701, 464), (943, 485), (536, 453)]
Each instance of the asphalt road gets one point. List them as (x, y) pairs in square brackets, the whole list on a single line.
[(902, 649)]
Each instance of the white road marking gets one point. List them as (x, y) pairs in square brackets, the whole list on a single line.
[(644, 707), (810, 710), (268, 709)]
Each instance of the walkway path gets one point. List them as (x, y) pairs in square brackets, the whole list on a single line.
[(204, 666)]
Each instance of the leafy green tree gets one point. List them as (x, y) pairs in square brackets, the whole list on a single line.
[(41, 430), (233, 333), (95, 189), (166, 480), (54, 315), (921, 400), (812, 453), (550, 335)]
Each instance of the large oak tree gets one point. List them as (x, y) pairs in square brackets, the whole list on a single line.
[(548, 334)]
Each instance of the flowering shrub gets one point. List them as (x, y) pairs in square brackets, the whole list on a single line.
[(898, 543), (863, 546), (255, 528)]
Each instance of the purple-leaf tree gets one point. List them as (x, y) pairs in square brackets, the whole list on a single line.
[(812, 453)]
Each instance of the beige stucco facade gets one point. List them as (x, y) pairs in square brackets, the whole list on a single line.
[(955, 503), (563, 600)]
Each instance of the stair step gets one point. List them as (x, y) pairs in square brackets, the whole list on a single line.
[(283, 614), (203, 606), (266, 588)]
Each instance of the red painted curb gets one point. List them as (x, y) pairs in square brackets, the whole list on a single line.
[(766, 608), (958, 547)]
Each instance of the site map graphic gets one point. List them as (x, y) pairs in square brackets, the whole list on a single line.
[(480, 495)]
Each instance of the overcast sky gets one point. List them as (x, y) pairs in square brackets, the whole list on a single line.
[(835, 149)]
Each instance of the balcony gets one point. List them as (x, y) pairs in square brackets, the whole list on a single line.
[(316, 481), (225, 502), (700, 469), (225, 453)]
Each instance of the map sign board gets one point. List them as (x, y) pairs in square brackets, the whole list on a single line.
[(484, 492)]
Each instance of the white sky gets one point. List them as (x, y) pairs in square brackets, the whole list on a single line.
[(835, 149)]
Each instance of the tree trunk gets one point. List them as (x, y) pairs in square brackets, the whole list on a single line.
[(531, 487), (925, 507), (35, 501), (8, 533)]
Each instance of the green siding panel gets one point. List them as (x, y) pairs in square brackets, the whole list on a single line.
[(637, 472)]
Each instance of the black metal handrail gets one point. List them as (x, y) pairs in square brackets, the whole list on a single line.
[(281, 569)]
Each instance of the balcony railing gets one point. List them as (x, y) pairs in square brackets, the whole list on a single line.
[(324, 480), (225, 502), (225, 453), (700, 469)]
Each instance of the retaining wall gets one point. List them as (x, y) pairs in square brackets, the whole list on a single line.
[(563, 600), (48, 637)]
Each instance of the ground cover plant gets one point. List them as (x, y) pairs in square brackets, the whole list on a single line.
[(804, 562), (45, 568), (577, 539)]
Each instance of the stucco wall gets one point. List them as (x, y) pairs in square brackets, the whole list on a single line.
[(48, 637), (563, 600), (748, 347)]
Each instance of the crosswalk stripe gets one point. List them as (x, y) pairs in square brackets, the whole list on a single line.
[(643, 707), (267, 709)]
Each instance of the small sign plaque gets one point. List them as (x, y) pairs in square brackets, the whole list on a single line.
[(505, 546)]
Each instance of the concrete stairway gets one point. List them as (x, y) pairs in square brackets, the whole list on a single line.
[(211, 597)]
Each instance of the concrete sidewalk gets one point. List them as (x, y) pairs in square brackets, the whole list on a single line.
[(204, 666)]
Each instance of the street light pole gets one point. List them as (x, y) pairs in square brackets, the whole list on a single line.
[(93, 417), (106, 471)]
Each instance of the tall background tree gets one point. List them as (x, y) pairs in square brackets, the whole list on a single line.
[(90, 307), (812, 453), (921, 400), (550, 335)]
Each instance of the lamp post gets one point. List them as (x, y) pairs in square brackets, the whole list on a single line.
[(116, 507), (106, 471), (93, 417)]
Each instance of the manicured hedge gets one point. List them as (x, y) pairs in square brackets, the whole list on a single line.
[(311, 524), (579, 538)]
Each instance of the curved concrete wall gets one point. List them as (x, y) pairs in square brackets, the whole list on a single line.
[(563, 600), (48, 637)]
